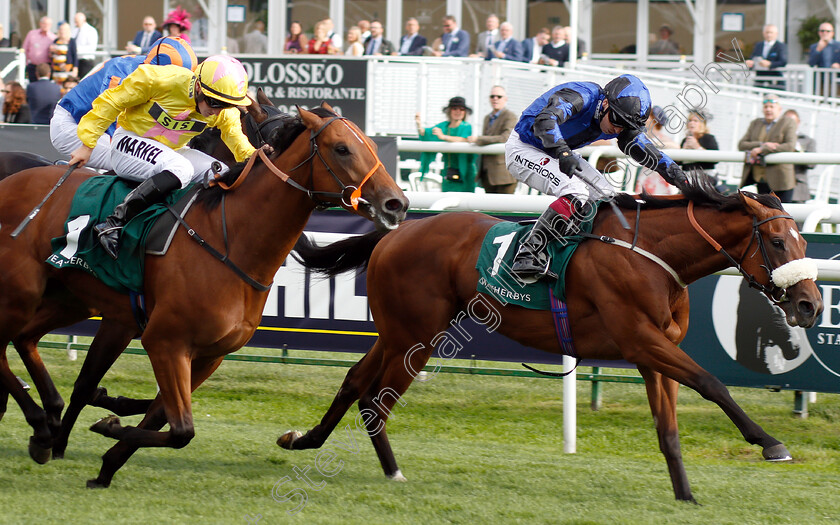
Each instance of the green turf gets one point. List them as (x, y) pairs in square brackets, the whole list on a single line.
[(474, 448)]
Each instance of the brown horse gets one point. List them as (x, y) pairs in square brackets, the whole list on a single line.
[(198, 309), (622, 305), (58, 308)]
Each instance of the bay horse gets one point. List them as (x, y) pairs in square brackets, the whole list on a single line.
[(260, 120), (198, 309), (621, 304)]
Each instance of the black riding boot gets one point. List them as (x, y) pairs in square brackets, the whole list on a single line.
[(532, 263), (150, 191)]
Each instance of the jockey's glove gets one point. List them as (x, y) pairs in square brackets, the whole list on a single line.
[(569, 164), (675, 175)]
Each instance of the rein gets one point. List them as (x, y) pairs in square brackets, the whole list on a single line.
[(770, 291), (355, 193)]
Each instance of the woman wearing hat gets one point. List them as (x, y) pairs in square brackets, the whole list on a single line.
[(459, 169), (178, 23)]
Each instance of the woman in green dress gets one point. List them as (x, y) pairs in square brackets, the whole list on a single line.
[(459, 169)]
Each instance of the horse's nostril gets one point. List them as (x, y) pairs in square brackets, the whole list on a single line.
[(806, 308), (394, 205)]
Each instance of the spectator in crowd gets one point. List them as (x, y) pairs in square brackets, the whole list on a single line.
[(256, 42), (454, 42), (412, 42), (36, 45), (364, 25), (665, 46), (144, 38), (580, 43), (458, 168), (697, 137), (331, 34), (768, 55), (68, 84), (771, 134), (320, 43), (355, 48), (177, 23), (42, 96), (648, 180), (63, 57), (87, 38), (486, 38), (556, 52), (804, 143), (15, 108), (498, 124), (296, 41), (2, 92), (506, 47), (4, 42), (825, 53), (532, 47), (376, 43)]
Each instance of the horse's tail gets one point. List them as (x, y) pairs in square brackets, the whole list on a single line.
[(338, 257)]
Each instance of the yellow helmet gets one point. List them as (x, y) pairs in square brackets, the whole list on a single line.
[(223, 78)]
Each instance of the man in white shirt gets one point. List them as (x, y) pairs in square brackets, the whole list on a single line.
[(532, 47), (486, 38), (412, 42), (87, 38), (332, 35)]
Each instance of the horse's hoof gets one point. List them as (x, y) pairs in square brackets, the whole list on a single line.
[(96, 484), (98, 394), (776, 453), (288, 439), (57, 454), (103, 426), (38, 453), (397, 476)]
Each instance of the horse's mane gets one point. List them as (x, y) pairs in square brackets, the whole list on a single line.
[(280, 138), (701, 192)]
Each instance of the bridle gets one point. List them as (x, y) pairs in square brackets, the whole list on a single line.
[(772, 291), (349, 195)]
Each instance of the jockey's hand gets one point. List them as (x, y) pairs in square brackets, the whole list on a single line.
[(569, 164), (675, 174), (81, 155), (267, 148)]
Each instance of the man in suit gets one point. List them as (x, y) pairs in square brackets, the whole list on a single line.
[(506, 47), (376, 43), (43, 95), (532, 47), (771, 134), (825, 53), (454, 42), (412, 42), (486, 38), (144, 38), (768, 55), (498, 124)]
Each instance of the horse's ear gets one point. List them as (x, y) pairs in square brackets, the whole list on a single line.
[(262, 99), (753, 206), (311, 120), (327, 106), (254, 108)]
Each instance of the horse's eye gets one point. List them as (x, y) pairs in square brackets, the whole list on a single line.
[(778, 243), (342, 150)]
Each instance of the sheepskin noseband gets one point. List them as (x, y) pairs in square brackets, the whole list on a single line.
[(792, 272)]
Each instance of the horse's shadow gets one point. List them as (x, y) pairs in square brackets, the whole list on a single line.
[(760, 328)]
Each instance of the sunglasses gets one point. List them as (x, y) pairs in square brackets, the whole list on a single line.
[(616, 119), (216, 104), (826, 31), (496, 96)]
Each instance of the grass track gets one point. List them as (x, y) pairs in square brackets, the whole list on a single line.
[(474, 448)]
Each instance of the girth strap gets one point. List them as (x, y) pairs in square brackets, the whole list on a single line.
[(644, 253)]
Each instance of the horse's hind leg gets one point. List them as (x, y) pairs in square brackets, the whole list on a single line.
[(357, 380), (110, 341), (41, 441), (662, 396)]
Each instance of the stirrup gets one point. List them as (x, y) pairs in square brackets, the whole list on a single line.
[(535, 273)]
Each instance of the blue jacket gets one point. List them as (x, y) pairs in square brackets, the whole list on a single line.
[(79, 101), (416, 47), (156, 35), (829, 55), (460, 46), (569, 117), (512, 50), (42, 97), (527, 49)]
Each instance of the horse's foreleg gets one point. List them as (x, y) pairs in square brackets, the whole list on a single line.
[(41, 441), (110, 341), (662, 396), (177, 377), (357, 380), (652, 349), (50, 398)]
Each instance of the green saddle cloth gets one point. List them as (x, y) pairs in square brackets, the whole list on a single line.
[(496, 258), (79, 248)]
